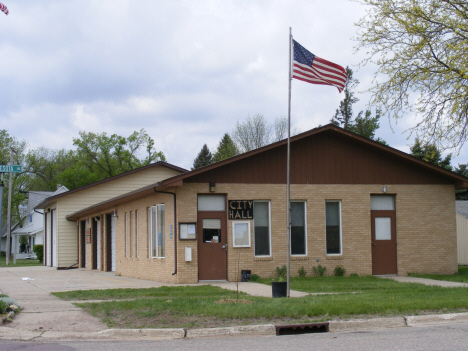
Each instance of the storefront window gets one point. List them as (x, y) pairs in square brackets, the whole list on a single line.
[(333, 231), (262, 228), (298, 228)]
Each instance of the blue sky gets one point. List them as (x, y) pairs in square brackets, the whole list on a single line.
[(185, 71)]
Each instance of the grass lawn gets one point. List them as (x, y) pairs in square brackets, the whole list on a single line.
[(461, 276), (208, 306), (20, 263)]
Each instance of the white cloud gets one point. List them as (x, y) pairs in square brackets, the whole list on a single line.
[(185, 71)]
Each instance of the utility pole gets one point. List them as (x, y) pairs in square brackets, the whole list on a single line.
[(8, 248), (2, 186)]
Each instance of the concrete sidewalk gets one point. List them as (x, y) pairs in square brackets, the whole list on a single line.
[(45, 312), (424, 281)]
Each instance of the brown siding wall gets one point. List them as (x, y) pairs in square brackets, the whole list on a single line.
[(326, 158)]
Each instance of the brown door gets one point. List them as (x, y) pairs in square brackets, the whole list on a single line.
[(384, 247), (212, 245), (94, 244), (83, 244)]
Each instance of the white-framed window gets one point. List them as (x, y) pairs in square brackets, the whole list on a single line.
[(241, 234), (333, 227), (298, 228), (262, 228), (137, 234), (156, 231), (131, 233), (126, 234)]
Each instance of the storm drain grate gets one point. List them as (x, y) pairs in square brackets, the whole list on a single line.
[(303, 328)]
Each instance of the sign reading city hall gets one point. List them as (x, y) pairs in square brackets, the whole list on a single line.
[(240, 209)]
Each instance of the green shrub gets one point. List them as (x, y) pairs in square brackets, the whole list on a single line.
[(302, 272), (280, 274), (39, 251), (254, 278), (319, 271), (3, 307), (339, 271)]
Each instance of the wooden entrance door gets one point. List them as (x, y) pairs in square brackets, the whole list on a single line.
[(212, 245), (384, 245)]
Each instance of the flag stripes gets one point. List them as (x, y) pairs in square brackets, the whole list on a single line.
[(4, 9), (315, 70)]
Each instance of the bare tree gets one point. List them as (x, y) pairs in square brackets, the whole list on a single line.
[(252, 134), (256, 132)]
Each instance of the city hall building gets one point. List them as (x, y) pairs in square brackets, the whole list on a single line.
[(354, 202)]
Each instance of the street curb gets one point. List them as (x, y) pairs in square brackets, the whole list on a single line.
[(267, 329), (247, 330), (416, 321), (366, 324), (166, 333)]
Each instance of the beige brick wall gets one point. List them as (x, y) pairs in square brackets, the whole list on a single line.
[(426, 230)]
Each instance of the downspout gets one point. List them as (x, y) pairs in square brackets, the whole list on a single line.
[(175, 226)]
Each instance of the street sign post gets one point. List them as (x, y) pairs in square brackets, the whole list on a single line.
[(11, 168)]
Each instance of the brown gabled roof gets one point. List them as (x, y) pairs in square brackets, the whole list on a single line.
[(47, 202), (458, 180), (178, 180)]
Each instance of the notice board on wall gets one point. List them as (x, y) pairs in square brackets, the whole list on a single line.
[(187, 231)]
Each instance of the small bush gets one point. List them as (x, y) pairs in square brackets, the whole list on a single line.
[(280, 274), (339, 271), (302, 272), (319, 271), (39, 251), (3, 307), (254, 278)]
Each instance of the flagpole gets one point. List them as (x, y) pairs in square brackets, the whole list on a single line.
[(288, 204)]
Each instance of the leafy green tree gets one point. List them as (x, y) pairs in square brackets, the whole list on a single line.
[(364, 124), (462, 194), (226, 149), (420, 48), (108, 156), (204, 158), (430, 153), (20, 181)]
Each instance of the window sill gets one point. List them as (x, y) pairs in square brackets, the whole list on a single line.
[(299, 258), (263, 258), (337, 257)]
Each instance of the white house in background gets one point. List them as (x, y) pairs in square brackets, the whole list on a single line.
[(33, 225), (462, 231)]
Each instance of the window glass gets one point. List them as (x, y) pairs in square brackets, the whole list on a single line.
[(211, 230), (157, 225), (383, 228), (211, 203), (262, 228), (241, 234), (161, 226), (382, 202), (333, 227), (153, 231), (298, 232)]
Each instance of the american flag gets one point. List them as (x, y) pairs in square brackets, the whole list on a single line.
[(4, 9), (315, 70)]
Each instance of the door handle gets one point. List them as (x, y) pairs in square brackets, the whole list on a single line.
[(224, 247), (374, 244)]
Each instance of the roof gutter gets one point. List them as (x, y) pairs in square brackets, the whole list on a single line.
[(175, 225)]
